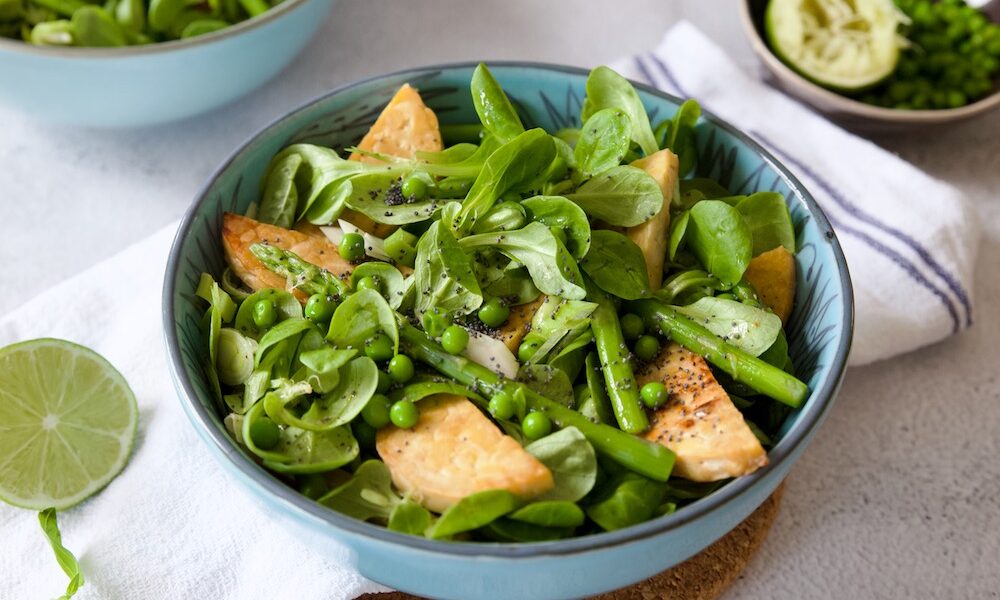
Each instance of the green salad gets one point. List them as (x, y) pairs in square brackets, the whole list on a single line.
[(110, 23), (517, 336)]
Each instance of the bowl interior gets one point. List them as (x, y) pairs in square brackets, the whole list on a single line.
[(819, 331)]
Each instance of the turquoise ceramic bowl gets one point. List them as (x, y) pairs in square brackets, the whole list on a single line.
[(158, 83), (819, 334)]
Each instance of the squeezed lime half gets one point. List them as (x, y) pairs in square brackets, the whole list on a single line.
[(67, 423), (846, 45)]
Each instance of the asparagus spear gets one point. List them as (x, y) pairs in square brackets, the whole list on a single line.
[(643, 457), (749, 369), (304, 275), (614, 355)]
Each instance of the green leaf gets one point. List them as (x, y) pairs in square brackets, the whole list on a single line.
[(719, 236), (751, 329), (770, 222), (416, 392), (560, 325), (67, 562), (367, 495), (443, 275), (94, 27), (409, 517), (503, 216), (623, 196), (698, 189), (679, 135), (616, 264), (558, 212), (627, 499), (508, 530), (280, 199), (393, 284), (282, 331), (357, 319), (550, 513), (473, 512), (314, 451), (358, 380), (572, 460), (378, 196), (285, 307), (678, 229), (552, 267), (495, 111), (517, 162), (321, 366), (547, 381), (234, 361), (604, 141), (608, 89)]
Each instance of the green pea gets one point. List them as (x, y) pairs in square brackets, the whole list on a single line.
[(527, 349), (376, 412), (401, 368), (264, 433), (494, 312), (352, 247), (502, 406), (536, 425), (414, 188), (319, 308), (379, 347), (364, 433), (632, 326), (454, 339), (264, 314), (647, 347), (384, 382), (404, 414), (435, 323), (369, 283), (654, 394)]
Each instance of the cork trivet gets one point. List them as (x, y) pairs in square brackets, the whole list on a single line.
[(704, 576)]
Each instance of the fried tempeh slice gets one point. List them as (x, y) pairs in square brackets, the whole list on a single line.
[(699, 422), (652, 236), (518, 324), (239, 233), (405, 127), (772, 274), (454, 451)]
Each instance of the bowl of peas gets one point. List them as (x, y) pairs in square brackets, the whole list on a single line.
[(128, 63), (881, 65)]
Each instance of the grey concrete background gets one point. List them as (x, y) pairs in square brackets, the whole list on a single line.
[(899, 495)]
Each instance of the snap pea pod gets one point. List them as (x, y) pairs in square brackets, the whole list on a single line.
[(643, 457), (614, 354), (743, 367), (303, 275)]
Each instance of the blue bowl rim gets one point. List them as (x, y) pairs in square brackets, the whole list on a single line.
[(89, 52), (813, 415)]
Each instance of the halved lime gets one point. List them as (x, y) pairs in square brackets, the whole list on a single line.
[(67, 423), (846, 45)]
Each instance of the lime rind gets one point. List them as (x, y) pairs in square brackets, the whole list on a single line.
[(68, 421), (844, 45)]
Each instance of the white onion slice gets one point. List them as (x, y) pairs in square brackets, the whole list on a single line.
[(492, 354)]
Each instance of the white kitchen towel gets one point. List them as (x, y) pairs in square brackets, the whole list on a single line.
[(910, 240), (174, 526)]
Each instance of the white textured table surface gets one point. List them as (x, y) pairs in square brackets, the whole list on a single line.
[(899, 495)]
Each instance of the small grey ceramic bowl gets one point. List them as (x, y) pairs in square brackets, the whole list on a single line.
[(819, 335), (850, 112)]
